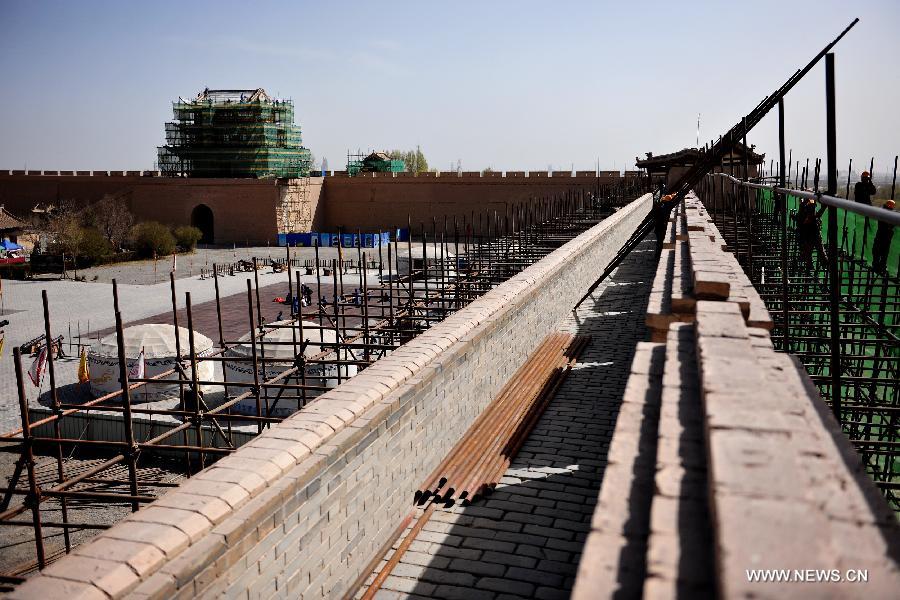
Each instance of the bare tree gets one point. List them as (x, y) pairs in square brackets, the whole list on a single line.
[(63, 227), (112, 218)]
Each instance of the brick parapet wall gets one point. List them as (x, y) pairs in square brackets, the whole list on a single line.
[(303, 508)]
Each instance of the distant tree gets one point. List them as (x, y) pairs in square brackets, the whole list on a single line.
[(312, 162), (94, 246), (111, 217), (414, 160), (151, 239), (63, 227), (187, 237), (397, 155), (487, 170), (64, 231)]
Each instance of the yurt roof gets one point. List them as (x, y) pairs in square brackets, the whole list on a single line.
[(157, 340), (284, 334)]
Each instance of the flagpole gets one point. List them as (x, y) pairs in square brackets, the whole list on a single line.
[(144, 370)]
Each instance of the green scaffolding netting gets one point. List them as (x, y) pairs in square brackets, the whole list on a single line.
[(856, 233), (869, 325)]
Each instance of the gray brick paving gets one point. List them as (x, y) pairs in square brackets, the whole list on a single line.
[(525, 540)]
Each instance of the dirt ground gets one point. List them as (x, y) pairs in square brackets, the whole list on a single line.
[(17, 547)]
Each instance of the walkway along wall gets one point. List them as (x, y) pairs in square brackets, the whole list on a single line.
[(304, 507)]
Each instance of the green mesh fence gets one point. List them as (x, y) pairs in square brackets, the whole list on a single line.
[(869, 326)]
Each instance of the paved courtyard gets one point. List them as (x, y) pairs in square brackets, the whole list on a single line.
[(149, 272), (525, 540), (88, 307)]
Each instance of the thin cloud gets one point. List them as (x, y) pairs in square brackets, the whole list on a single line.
[(385, 44)]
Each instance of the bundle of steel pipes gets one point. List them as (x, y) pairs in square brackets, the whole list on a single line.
[(479, 459), (475, 465)]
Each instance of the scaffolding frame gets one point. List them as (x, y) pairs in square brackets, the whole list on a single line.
[(850, 347), (233, 133), (460, 260)]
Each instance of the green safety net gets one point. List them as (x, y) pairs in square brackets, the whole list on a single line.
[(856, 233), (872, 303)]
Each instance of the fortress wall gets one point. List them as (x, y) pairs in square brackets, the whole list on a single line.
[(244, 209), (373, 203)]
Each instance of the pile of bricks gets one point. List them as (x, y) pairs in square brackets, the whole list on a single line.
[(725, 460), (695, 264)]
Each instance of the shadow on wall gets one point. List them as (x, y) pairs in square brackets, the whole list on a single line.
[(526, 539)]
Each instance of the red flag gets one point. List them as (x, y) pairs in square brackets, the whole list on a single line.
[(36, 372)]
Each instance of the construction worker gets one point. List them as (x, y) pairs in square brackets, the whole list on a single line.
[(864, 189), (809, 233), (881, 246), (661, 219)]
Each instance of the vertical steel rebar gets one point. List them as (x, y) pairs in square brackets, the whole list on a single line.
[(834, 262), (192, 349), (131, 452), (783, 200), (221, 342), (336, 296), (256, 390), (301, 358), (34, 492), (54, 399)]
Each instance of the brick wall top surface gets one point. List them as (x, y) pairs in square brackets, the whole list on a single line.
[(743, 457)]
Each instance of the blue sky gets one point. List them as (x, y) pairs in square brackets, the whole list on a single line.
[(511, 85)]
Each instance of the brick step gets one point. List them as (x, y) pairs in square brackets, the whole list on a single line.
[(614, 555), (679, 550), (695, 264), (671, 297), (724, 459), (786, 488)]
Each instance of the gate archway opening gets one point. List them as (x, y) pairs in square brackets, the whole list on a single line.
[(202, 219)]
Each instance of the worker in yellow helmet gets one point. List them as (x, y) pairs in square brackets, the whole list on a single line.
[(881, 245)]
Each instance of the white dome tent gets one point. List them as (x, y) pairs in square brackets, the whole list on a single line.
[(278, 344), (158, 344), (416, 255)]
